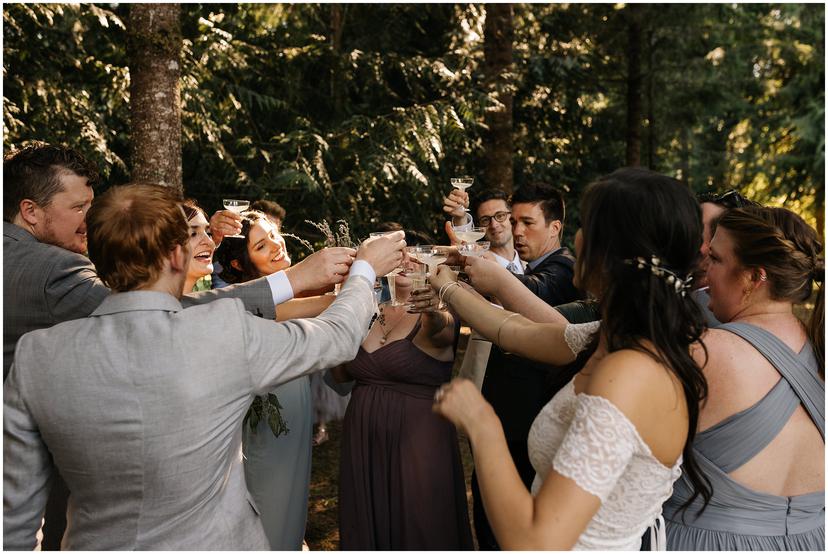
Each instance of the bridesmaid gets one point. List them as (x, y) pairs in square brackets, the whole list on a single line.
[(761, 440), (401, 478), (277, 469)]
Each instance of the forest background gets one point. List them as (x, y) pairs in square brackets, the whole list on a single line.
[(363, 112)]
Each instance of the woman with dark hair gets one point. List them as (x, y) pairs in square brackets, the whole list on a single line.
[(401, 483), (761, 430), (608, 447), (277, 468)]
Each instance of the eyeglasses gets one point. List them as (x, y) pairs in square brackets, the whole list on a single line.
[(500, 217)]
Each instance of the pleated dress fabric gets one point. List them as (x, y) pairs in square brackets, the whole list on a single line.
[(401, 483)]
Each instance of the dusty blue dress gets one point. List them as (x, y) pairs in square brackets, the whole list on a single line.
[(277, 469), (739, 518)]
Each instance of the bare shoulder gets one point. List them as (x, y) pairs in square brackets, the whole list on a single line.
[(648, 394), (723, 355), (628, 377)]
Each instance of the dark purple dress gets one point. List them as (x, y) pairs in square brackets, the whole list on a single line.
[(401, 483)]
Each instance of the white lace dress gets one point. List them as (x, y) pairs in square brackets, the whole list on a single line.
[(587, 439)]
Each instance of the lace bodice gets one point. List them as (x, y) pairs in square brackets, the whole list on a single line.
[(587, 439)]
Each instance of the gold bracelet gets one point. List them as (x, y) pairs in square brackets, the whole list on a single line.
[(444, 289), (502, 323)]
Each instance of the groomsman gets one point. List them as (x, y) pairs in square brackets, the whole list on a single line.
[(47, 278), (492, 214), (140, 405)]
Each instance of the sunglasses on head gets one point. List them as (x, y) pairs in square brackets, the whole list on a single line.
[(730, 199)]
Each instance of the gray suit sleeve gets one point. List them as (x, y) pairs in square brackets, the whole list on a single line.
[(73, 288), (279, 352), (255, 295), (27, 470)]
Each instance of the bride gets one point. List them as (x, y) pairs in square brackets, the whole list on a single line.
[(608, 447)]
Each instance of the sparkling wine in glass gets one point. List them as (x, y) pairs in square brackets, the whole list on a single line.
[(237, 206), (432, 258), (462, 183), (475, 249), (473, 234)]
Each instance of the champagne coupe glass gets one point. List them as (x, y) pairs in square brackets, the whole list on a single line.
[(462, 183), (431, 256), (237, 206), (472, 234), (480, 248)]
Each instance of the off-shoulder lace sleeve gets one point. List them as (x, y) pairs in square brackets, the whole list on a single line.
[(579, 335), (597, 447)]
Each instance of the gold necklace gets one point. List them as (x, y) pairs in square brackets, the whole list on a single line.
[(381, 321)]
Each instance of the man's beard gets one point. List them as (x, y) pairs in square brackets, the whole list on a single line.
[(49, 236), (499, 244)]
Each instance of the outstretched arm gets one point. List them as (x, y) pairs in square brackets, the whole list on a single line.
[(489, 277), (303, 307), (542, 342)]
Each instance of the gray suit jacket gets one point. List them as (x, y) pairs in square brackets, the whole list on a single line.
[(45, 284), (140, 407)]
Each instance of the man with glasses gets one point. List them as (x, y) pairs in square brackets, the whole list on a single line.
[(492, 213)]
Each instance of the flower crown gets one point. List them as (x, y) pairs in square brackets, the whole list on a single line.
[(681, 285)]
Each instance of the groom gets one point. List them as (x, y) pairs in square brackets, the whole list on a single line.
[(139, 406)]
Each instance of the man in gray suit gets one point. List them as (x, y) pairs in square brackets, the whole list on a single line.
[(140, 405), (48, 279)]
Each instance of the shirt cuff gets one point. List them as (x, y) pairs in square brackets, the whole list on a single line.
[(361, 267), (279, 287), (467, 225)]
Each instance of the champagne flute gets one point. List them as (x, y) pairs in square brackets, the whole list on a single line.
[(462, 183), (237, 206)]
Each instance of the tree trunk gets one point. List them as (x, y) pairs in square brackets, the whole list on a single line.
[(498, 70), (651, 120), (154, 50), (633, 85), (337, 23), (685, 157)]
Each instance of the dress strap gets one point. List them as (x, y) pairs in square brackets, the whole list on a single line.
[(733, 442), (416, 328), (804, 381)]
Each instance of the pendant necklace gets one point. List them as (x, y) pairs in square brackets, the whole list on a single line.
[(381, 320)]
